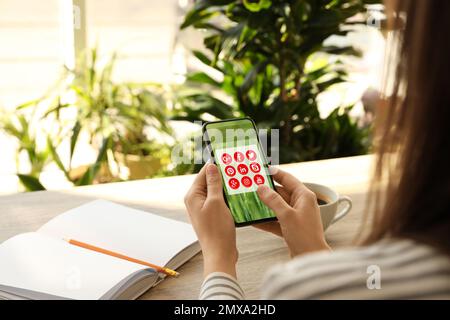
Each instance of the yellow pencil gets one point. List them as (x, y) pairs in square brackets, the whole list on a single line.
[(164, 270)]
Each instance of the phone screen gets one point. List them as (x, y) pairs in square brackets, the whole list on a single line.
[(243, 165)]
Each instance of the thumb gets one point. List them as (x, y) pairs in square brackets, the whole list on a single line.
[(213, 182), (273, 200)]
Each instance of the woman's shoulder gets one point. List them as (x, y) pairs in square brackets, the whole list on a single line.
[(390, 268)]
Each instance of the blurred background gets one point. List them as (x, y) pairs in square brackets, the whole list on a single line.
[(100, 91)]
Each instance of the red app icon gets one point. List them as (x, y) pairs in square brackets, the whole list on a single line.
[(242, 168), (230, 171), (226, 158), (238, 156), (251, 155), (246, 181), (259, 179), (233, 183), (255, 167)]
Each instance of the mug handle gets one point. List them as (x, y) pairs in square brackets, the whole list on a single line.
[(345, 210)]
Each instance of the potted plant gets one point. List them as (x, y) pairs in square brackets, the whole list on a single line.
[(19, 126), (125, 123), (271, 60), (144, 156), (117, 117)]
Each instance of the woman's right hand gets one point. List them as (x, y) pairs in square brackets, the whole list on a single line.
[(299, 221)]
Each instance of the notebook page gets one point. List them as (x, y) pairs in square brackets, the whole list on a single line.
[(40, 263), (134, 233)]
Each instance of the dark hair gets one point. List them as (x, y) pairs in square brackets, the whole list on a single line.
[(413, 145)]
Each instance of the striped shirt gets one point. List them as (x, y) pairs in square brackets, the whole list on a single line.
[(389, 269)]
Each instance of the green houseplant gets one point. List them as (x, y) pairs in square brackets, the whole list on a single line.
[(114, 118), (18, 126), (265, 53), (37, 141)]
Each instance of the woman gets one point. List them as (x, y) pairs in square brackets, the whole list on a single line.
[(408, 238)]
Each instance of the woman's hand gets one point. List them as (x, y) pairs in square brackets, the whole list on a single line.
[(212, 221), (298, 214)]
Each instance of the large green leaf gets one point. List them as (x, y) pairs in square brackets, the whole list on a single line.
[(322, 86), (257, 5), (197, 16), (251, 76), (30, 183), (202, 57), (55, 157), (347, 50), (28, 104), (74, 138), (91, 173), (205, 104), (202, 78)]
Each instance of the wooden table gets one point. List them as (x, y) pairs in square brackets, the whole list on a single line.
[(257, 250)]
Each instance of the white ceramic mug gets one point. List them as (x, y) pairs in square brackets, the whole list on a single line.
[(330, 212)]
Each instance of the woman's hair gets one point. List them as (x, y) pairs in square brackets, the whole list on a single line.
[(413, 133)]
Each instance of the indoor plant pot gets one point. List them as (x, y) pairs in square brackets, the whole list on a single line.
[(140, 167)]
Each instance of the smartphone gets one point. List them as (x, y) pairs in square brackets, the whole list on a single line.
[(235, 148)]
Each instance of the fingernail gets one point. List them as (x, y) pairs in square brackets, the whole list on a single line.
[(211, 169), (273, 170), (262, 189)]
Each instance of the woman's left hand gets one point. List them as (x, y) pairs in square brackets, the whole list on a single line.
[(212, 221)]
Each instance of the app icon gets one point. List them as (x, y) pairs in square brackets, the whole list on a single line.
[(251, 155), (233, 183), (259, 179), (255, 167), (226, 158), (246, 181), (242, 168), (238, 156), (230, 171)]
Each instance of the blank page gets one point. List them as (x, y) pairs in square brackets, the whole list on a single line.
[(40, 263), (137, 234)]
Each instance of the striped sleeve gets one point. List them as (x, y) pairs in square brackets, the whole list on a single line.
[(388, 270), (220, 286)]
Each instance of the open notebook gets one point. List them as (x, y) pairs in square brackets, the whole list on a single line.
[(41, 265)]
